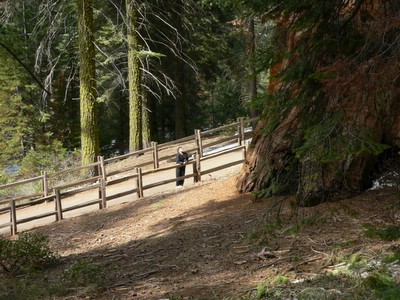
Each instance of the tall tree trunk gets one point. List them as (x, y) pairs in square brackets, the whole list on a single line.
[(87, 74), (146, 121), (153, 120), (321, 136), (180, 111), (252, 81), (178, 65), (134, 77), (123, 119)]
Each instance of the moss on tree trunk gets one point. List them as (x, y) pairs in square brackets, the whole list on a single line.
[(134, 77), (87, 73)]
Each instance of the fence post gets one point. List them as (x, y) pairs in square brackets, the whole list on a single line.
[(13, 217), (195, 174), (241, 131), (57, 198), (102, 167), (198, 166), (244, 152), (45, 185), (102, 194), (199, 142), (155, 155), (139, 183)]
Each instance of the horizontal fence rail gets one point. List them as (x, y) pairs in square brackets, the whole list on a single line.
[(137, 166)]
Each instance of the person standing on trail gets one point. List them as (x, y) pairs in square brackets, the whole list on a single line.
[(181, 159)]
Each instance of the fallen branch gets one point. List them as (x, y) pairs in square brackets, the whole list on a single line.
[(150, 253), (144, 275), (308, 261), (272, 263)]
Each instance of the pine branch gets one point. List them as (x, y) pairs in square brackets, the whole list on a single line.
[(25, 67)]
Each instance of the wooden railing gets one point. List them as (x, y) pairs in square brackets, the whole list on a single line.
[(136, 167)]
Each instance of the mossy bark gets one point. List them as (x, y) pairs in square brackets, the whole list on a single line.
[(134, 77), (87, 75)]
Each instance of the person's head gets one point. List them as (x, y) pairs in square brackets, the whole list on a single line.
[(180, 150)]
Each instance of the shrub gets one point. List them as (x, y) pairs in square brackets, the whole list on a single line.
[(51, 158), (30, 251), (390, 233), (83, 272)]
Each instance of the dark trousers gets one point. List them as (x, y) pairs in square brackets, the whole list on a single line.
[(180, 171)]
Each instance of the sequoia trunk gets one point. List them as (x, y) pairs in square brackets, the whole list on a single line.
[(339, 111)]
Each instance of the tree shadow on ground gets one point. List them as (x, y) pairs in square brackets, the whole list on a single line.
[(169, 244), (194, 244)]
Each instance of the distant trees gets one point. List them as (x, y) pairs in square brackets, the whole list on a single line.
[(105, 77), (15, 125)]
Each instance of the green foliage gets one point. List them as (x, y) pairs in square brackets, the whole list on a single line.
[(394, 257), (378, 284), (15, 112), (265, 233), (380, 279), (83, 272), (383, 283), (390, 233), (325, 286), (25, 254), (50, 158), (330, 141), (283, 182), (261, 291), (357, 262), (281, 280), (389, 293), (5, 177), (26, 275), (225, 103), (23, 288)]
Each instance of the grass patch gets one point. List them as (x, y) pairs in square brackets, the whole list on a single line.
[(349, 211), (264, 233), (383, 283), (390, 233), (358, 278), (83, 272), (394, 257)]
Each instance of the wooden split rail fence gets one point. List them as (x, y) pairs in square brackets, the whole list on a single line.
[(109, 172)]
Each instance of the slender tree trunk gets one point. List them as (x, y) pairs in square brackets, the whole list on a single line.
[(123, 119), (153, 120), (87, 73), (134, 77), (252, 81), (180, 111), (146, 122)]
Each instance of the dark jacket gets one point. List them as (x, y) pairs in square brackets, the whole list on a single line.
[(182, 158)]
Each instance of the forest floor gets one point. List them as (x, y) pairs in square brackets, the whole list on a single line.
[(207, 241)]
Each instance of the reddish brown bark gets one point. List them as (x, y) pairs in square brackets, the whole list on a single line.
[(364, 88)]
